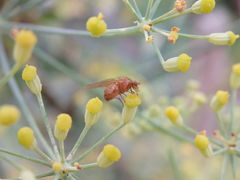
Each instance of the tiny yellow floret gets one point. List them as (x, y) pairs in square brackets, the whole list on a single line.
[(26, 137), (172, 114), (109, 155), (201, 142), (219, 100), (203, 6), (24, 43), (26, 39), (9, 115), (94, 105), (112, 152), (96, 25), (64, 122), (232, 38), (29, 73), (57, 167), (132, 100), (236, 69), (184, 62)]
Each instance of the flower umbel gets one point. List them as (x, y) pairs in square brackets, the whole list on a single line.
[(109, 155)]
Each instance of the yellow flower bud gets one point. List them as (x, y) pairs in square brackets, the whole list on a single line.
[(181, 63), (29, 75), (24, 43), (57, 167), (109, 155), (26, 137), (27, 175), (180, 5), (93, 108), (62, 126), (203, 6), (96, 25), (227, 38), (9, 115), (219, 100), (202, 143), (235, 76), (131, 103), (94, 105), (173, 115)]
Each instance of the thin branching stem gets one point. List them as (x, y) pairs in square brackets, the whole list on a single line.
[(138, 16), (148, 10), (135, 5), (5, 151), (154, 8), (47, 124), (99, 142), (47, 30), (78, 143), (159, 55)]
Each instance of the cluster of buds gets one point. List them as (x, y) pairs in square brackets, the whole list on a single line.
[(173, 35), (180, 5), (201, 141)]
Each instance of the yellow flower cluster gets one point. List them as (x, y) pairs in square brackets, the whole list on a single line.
[(203, 6), (219, 100), (173, 115)]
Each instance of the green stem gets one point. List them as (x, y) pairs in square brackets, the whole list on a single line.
[(137, 9), (88, 166), (9, 75), (154, 8), (24, 157), (133, 10), (232, 111), (42, 154), (62, 150), (174, 165), (159, 55), (50, 173), (12, 163), (224, 167), (47, 124), (99, 142), (170, 133), (64, 31), (78, 143), (193, 36), (221, 124), (170, 15), (149, 7), (233, 166), (19, 97), (219, 151)]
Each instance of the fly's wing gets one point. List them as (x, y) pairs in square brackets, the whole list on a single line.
[(99, 84)]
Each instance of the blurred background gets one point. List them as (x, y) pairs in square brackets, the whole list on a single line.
[(149, 155)]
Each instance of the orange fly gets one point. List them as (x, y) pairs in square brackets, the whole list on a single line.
[(115, 87)]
